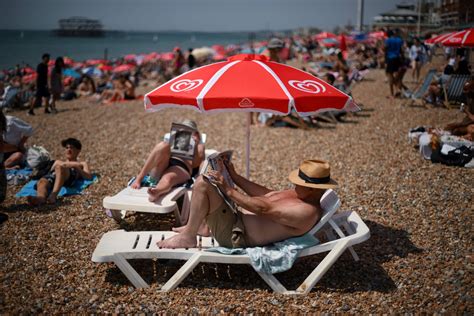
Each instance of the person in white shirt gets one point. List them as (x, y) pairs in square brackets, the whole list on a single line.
[(14, 139), (418, 58)]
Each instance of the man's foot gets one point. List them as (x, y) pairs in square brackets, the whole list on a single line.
[(153, 194), (35, 200), (47, 111), (178, 241), (52, 198), (203, 230), (31, 112)]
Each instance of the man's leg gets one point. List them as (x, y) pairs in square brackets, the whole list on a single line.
[(62, 174), (155, 164), (173, 176), (42, 188), (204, 201), (390, 82)]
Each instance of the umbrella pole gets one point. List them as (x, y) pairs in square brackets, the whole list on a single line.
[(249, 119)]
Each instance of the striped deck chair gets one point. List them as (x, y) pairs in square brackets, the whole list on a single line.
[(453, 92), (421, 89)]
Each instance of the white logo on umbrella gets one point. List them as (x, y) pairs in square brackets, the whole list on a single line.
[(185, 85), (246, 103), (309, 86)]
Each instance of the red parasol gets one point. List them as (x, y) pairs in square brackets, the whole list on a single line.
[(123, 68), (464, 38), (248, 83)]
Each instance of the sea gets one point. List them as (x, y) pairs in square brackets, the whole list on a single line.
[(26, 47)]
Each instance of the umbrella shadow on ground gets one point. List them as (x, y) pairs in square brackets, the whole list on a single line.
[(346, 275)]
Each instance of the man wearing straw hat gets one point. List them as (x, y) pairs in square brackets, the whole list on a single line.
[(264, 216)]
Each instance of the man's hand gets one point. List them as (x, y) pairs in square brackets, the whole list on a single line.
[(218, 179)]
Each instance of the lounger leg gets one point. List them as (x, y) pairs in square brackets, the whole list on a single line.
[(129, 272), (341, 234), (182, 273), (321, 269), (273, 282)]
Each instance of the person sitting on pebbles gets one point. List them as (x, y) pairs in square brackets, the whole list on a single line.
[(264, 215), (62, 173)]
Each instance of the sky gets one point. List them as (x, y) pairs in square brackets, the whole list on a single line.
[(191, 15)]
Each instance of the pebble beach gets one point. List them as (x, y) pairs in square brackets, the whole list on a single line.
[(419, 258)]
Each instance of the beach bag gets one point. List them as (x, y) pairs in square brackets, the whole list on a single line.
[(35, 155), (41, 169)]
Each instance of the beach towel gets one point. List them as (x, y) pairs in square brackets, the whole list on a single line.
[(77, 188), (275, 258)]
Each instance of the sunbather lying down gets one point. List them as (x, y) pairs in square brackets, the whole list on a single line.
[(61, 173), (265, 216), (167, 170)]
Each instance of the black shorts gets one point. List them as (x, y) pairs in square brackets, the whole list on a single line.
[(42, 92), (179, 163), (393, 64)]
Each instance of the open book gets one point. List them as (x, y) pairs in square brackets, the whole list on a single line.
[(182, 144), (217, 161)]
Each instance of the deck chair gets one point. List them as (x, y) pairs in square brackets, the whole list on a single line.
[(421, 89), (342, 230), (453, 93), (129, 199)]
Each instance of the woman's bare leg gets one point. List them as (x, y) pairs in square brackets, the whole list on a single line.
[(173, 176), (155, 164)]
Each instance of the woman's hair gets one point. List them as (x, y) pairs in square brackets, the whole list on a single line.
[(58, 65)]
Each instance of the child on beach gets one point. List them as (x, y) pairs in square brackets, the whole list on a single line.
[(61, 173)]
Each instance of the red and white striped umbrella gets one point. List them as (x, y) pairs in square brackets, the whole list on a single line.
[(249, 83), (464, 38)]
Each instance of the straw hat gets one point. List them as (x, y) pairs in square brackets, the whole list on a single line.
[(190, 124), (313, 174)]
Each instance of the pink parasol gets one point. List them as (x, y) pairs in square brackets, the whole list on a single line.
[(248, 83)]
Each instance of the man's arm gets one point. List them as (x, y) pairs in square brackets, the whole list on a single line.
[(295, 215), (81, 167), (249, 187)]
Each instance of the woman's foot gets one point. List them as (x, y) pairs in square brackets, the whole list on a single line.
[(153, 194), (52, 198)]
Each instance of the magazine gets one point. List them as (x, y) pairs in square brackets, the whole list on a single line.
[(217, 161), (182, 144)]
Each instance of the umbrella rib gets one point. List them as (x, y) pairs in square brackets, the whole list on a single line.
[(465, 37), (211, 83), (173, 80), (291, 100)]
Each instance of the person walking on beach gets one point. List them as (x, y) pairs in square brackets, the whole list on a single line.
[(56, 82), (178, 61), (393, 47), (42, 90), (265, 216), (191, 59), (418, 56)]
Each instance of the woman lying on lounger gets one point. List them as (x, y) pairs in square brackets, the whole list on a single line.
[(170, 171)]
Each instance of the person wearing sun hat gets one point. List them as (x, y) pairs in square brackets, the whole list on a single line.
[(262, 216)]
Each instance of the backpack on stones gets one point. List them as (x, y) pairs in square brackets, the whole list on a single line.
[(35, 155)]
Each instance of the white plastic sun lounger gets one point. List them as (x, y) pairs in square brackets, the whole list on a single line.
[(130, 199), (118, 246)]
